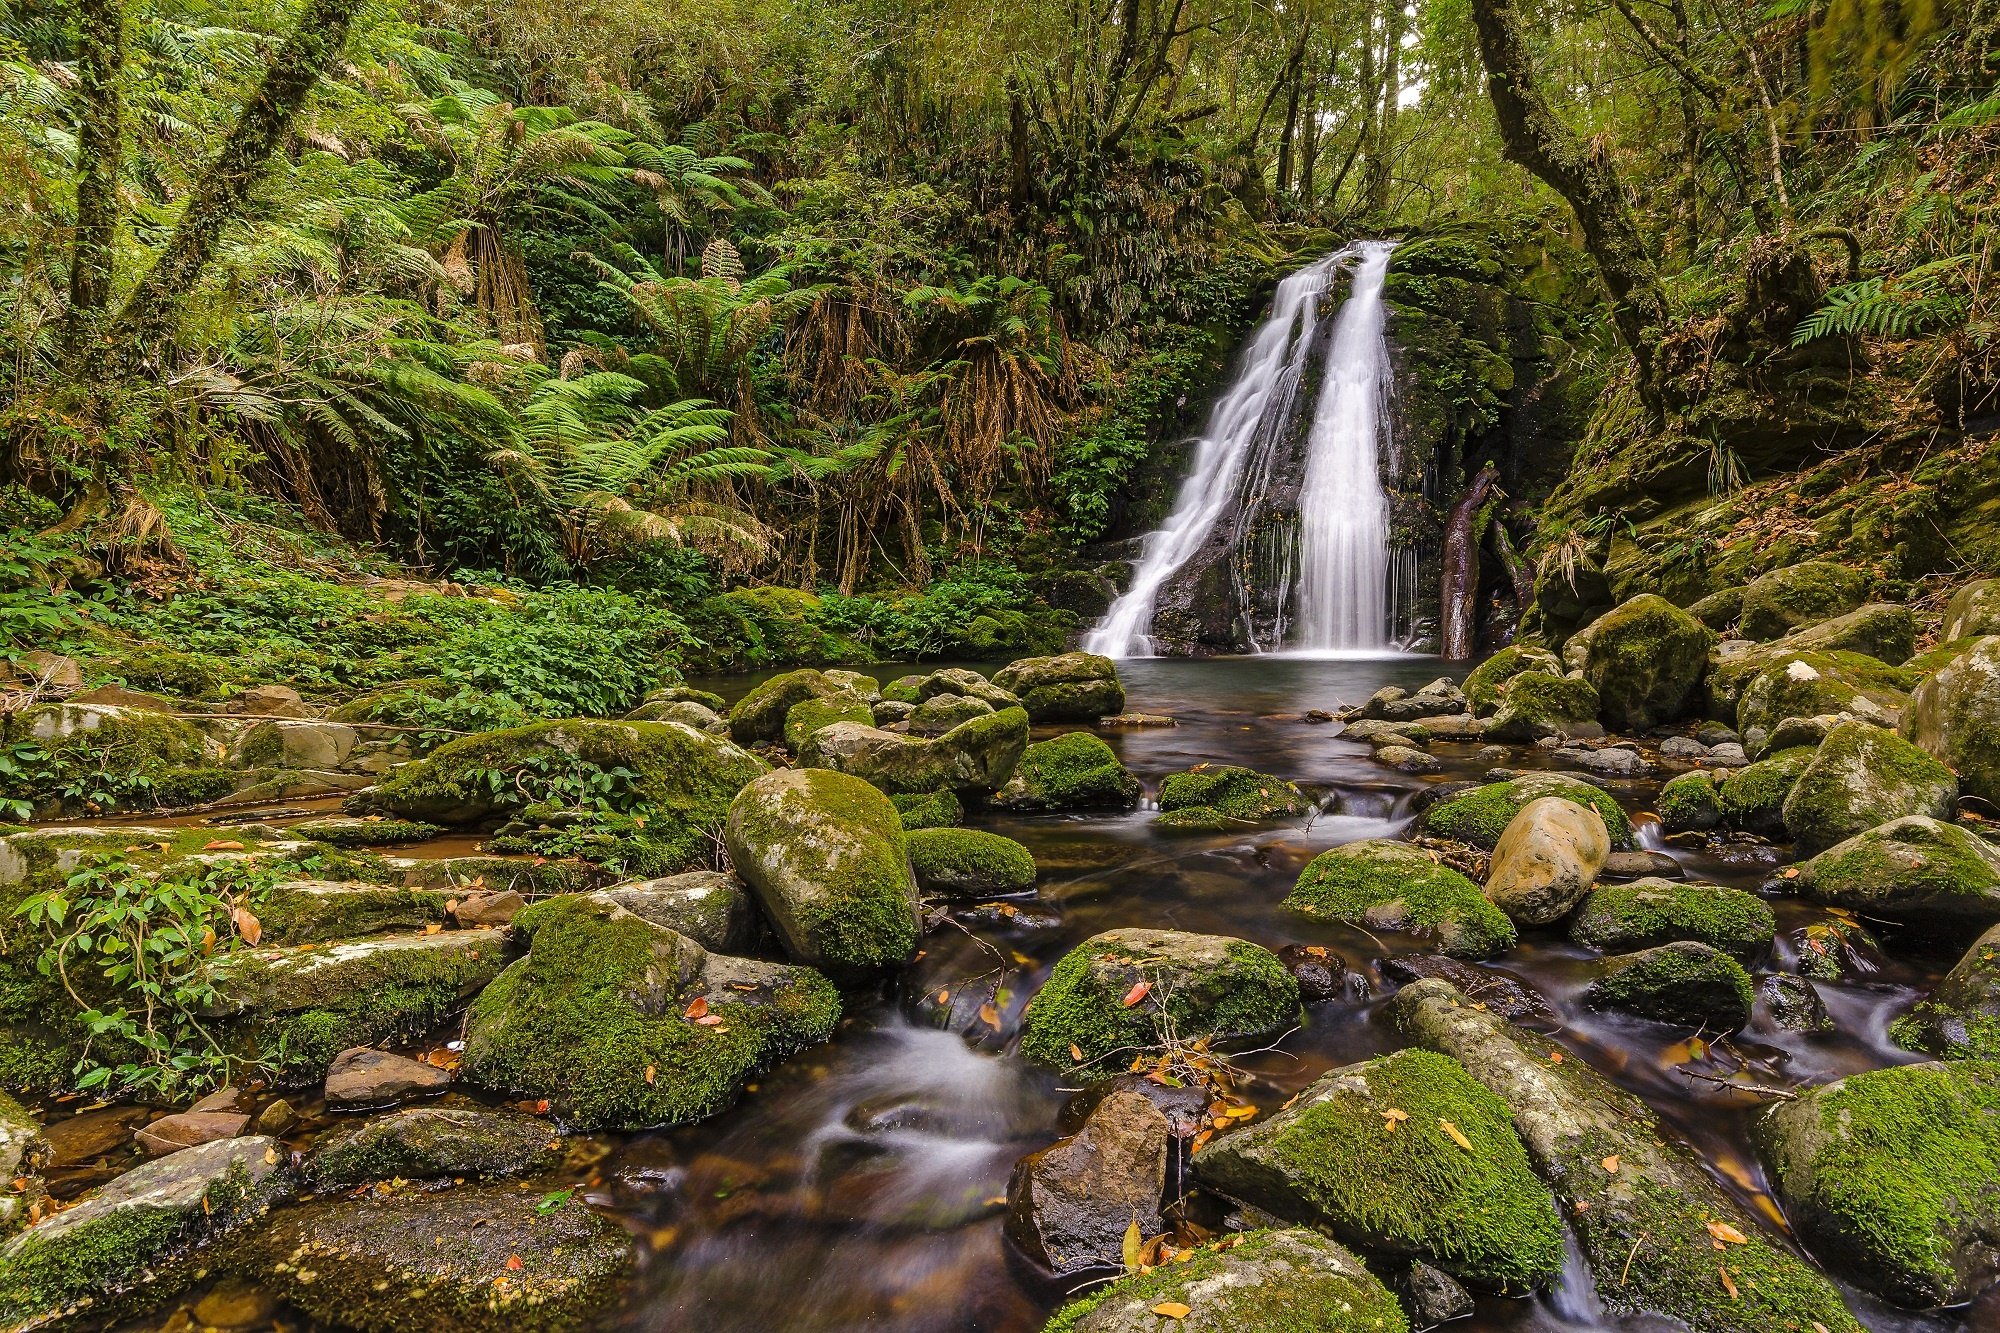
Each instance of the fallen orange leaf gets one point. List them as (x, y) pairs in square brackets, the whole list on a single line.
[(1137, 993), (1172, 1310)]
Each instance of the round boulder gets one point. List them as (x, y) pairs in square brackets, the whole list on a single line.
[(1547, 860), (1069, 687), (1955, 715), (1646, 659)]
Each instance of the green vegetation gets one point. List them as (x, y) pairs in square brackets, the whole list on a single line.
[(959, 862), (1217, 797), (1383, 885), (1619, 917), (1074, 771)]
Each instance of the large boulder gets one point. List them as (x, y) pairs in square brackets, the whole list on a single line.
[(760, 714), (1618, 918), (1752, 799), (1802, 594), (1955, 715), (1486, 685), (975, 756), (1404, 1155), (1130, 990), (1646, 659), (1547, 860), (1861, 776), (475, 1259), (681, 780), (1544, 703), (1686, 983), (1960, 1019), (1069, 687), (1809, 684), (1972, 612), (428, 1142), (1383, 885), (1251, 1282), (1069, 1205), (1481, 815), (710, 907), (964, 683), (1690, 803), (1880, 630), (1221, 796), (1642, 1206), (1074, 771), (102, 756), (114, 1238), (940, 713), (969, 863), (808, 715), (1915, 871), (620, 1023), (1890, 1177), (827, 857)]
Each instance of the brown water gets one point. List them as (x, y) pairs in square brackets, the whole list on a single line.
[(860, 1185)]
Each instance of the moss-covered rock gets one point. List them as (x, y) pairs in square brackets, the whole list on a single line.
[(1960, 1019), (1646, 659), (1690, 803), (975, 756), (1543, 703), (1189, 987), (426, 1142), (1972, 612), (941, 712), (760, 714), (1861, 776), (1487, 683), (1069, 687), (1802, 594), (1481, 815), (1815, 685), (964, 683), (1955, 715), (1074, 771), (1210, 797), (115, 1238), (929, 809), (1735, 665), (23, 1154), (1753, 798), (1383, 885), (1645, 1227), (347, 831), (308, 910), (94, 758), (620, 1023), (681, 780), (1618, 918), (807, 716), (710, 907), (1335, 1158), (1916, 871), (1253, 1282), (514, 1261), (827, 857), (1685, 982), (1893, 1177), (296, 1008), (1885, 632), (961, 862), (1719, 610)]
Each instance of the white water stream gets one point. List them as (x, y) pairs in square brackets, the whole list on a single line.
[(1344, 593)]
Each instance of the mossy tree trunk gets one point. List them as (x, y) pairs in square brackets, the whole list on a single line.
[(1458, 598), (1536, 138), (99, 148)]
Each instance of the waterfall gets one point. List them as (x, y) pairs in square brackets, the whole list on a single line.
[(1343, 510), (1343, 565)]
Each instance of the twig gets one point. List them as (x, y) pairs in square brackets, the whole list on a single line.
[(1755, 1089)]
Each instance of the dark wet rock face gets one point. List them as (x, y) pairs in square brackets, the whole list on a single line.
[(1501, 992), (1321, 975), (365, 1077), (1685, 983), (433, 1141), (1069, 1205), (1961, 1018)]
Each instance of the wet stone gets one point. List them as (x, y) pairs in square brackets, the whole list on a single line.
[(1502, 993), (366, 1077), (1320, 972), (1070, 1204)]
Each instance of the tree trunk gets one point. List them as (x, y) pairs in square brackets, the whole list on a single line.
[(100, 139), (1534, 137), (1385, 124), (1371, 101), (224, 191), (1458, 598)]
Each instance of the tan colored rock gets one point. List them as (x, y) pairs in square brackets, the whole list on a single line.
[(364, 1076), (1547, 860), (1069, 1205), (191, 1129), (489, 909)]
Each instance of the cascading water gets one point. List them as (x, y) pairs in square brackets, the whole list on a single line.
[(1343, 572), (1343, 510)]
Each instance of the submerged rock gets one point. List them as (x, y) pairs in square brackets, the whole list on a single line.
[(1859, 777), (827, 857), (432, 1141), (1645, 660), (1068, 1206), (1127, 990), (514, 1262), (1546, 860), (1253, 1282), (1640, 1202), (1500, 992), (1647, 912), (622, 1023), (1685, 982), (1380, 884), (1955, 715), (1377, 1153), (1794, 1003), (1069, 687), (1479, 816), (1891, 1179), (1074, 771), (1961, 1018), (1916, 870), (970, 863), (1224, 795)]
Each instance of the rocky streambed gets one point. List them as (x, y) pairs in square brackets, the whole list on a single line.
[(1356, 999)]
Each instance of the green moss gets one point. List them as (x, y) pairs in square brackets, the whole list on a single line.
[(1235, 795), (1814, 684), (970, 861), (1802, 594), (1074, 771), (574, 1021), (1690, 802), (1333, 1159), (1646, 659), (929, 809), (365, 833), (806, 716), (1291, 1291), (90, 758), (1893, 1167), (1542, 703), (1487, 683), (303, 911), (760, 715), (432, 1141), (1620, 917), (1859, 777), (1220, 989), (1385, 885), (1913, 867), (1480, 816), (1753, 799), (180, 788), (183, 675), (1683, 982)]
